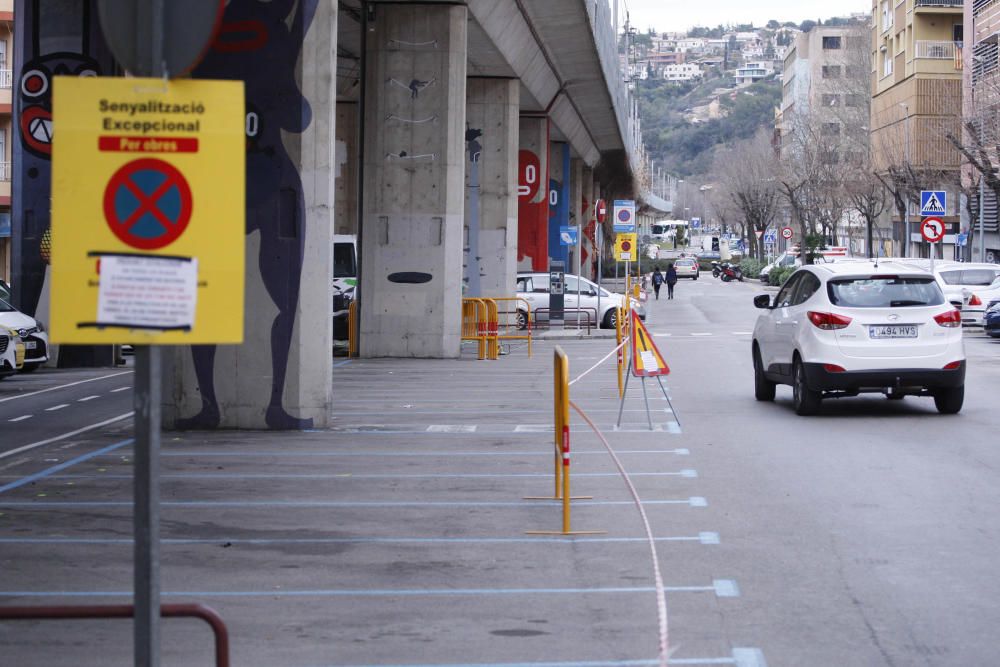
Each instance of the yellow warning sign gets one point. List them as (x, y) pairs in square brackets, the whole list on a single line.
[(625, 247), (148, 211), (646, 358)]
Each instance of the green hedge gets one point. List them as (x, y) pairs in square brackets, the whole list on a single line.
[(779, 274), (751, 267)]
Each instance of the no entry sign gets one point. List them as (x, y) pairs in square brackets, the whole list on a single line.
[(148, 218), (932, 229)]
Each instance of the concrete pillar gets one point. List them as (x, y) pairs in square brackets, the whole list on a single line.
[(532, 195), (346, 168), (280, 377), (491, 186), (411, 265), (589, 223)]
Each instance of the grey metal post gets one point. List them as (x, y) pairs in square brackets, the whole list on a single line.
[(148, 377), (982, 207), (599, 242), (146, 500)]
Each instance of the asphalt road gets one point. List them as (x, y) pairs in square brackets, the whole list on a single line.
[(866, 535), (51, 404)]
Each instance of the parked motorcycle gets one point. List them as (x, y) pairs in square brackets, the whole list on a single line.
[(730, 272), (716, 269)]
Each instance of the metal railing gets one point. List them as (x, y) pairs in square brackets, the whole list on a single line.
[(935, 50), (82, 612), (6, 78), (938, 3), (5, 170)]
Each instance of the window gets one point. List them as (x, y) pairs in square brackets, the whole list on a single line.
[(854, 100), (831, 129), (784, 298), (885, 292), (344, 265), (831, 157), (978, 277), (831, 100), (831, 71), (886, 64), (807, 287), (831, 43), (886, 15)]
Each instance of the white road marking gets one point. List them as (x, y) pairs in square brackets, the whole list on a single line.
[(533, 428), (451, 428), (115, 391), (701, 334), (742, 333), (663, 335), (698, 501), (86, 398), (725, 588), (20, 419), (57, 407), (63, 386), (708, 538), (66, 435)]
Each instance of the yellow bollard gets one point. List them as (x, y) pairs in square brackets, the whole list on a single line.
[(352, 336)]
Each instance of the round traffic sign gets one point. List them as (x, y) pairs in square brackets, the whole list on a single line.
[(786, 233), (147, 204), (626, 246), (932, 229), (624, 215)]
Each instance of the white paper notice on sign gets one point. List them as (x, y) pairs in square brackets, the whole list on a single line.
[(147, 292)]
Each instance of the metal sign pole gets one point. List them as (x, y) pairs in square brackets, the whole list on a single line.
[(149, 370)]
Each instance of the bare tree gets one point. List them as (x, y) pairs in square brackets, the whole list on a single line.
[(748, 172)]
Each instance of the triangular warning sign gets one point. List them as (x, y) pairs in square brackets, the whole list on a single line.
[(646, 359), (933, 204)]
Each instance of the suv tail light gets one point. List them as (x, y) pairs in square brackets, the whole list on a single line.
[(953, 366), (834, 368), (952, 318), (975, 301), (828, 321)]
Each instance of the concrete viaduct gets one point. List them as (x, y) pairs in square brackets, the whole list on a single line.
[(454, 138)]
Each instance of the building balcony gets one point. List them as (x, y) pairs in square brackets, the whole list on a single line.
[(6, 79), (937, 50), (5, 172), (917, 4)]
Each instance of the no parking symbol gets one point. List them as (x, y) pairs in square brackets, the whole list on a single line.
[(147, 204)]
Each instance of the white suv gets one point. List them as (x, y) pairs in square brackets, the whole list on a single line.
[(843, 329)]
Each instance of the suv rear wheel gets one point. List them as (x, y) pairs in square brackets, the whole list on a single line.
[(805, 400), (763, 389), (949, 401)]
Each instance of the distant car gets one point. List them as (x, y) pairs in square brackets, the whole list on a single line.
[(32, 334), (534, 288), (11, 352), (966, 285), (842, 329), (686, 268), (991, 321)]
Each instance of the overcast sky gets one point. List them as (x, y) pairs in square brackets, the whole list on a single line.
[(679, 15)]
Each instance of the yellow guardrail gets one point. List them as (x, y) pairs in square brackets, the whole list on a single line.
[(506, 327), (352, 329)]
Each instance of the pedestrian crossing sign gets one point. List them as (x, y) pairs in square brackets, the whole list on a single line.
[(933, 202), (646, 358)]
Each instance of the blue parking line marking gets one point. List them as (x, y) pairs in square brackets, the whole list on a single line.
[(342, 363), (369, 593), (688, 474), (506, 453), (363, 540), (63, 466), (42, 504)]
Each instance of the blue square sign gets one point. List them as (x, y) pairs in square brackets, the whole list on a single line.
[(933, 202), (567, 235)]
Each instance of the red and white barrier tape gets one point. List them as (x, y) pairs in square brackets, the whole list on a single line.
[(594, 367), (661, 598)]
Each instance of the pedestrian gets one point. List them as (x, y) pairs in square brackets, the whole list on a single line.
[(657, 281), (671, 280)]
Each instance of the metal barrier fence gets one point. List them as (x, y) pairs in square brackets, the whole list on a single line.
[(506, 327), (199, 611), (586, 310)]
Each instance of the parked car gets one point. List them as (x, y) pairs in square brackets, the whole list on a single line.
[(842, 329), (966, 285), (686, 267), (11, 352), (991, 321), (534, 288), (5, 291), (31, 332)]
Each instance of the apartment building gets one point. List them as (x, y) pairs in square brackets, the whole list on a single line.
[(752, 72), (6, 135), (916, 102), (982, 100), (685, 72)]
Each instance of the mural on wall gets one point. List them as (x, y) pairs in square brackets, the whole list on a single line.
[(259, 42), (559, 202), (532, 213), (55, 38)]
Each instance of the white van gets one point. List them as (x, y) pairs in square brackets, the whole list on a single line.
[(345, 279)]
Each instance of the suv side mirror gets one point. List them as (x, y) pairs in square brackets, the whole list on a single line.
[(762, 301)]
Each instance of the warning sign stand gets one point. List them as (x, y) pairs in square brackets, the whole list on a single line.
[(646, 361)]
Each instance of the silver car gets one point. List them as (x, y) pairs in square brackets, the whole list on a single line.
[(534, 288)]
